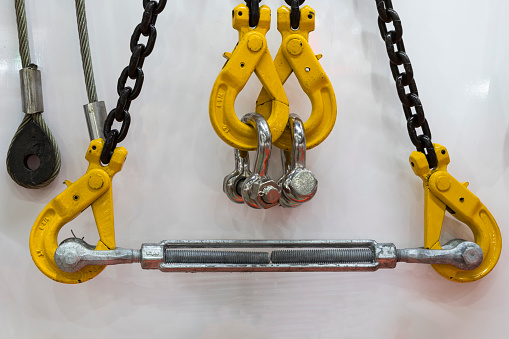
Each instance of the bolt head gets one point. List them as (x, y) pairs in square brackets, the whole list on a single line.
[(304, 184), (255, 43), (95, 181), (471, 256), (294, 46), (443, 183), (260, 192), (71, 259), (300, 185), (270, 195)]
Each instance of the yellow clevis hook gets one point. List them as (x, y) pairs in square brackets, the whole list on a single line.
[(442, 191), (295, 55), (250, 55), (92, 189)]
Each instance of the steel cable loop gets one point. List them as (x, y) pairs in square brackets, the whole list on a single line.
[(39, 120), (24, 51), (397, 55), (133, 71)]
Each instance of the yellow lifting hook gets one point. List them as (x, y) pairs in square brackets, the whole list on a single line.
[(92, 189), (250, 55), (295, 55), (442, 191)]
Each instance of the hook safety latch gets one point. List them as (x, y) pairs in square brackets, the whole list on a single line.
[(92, 189), (250, 55), (295, 55), (443, 192)]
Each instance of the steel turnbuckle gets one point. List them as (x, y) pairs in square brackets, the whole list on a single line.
[(250, 55), (295, 55), (74, 255), (92, 189), (298, 184), (443, 192)]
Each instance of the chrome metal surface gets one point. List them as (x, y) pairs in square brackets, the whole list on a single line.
[(258, 190), (95, 114), (265, 255), (298, 184), (31, 89), (232, 183)]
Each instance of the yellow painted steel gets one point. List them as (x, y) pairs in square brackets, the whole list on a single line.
[(92, 189), (295, 55), (250, 55), (443, 192)]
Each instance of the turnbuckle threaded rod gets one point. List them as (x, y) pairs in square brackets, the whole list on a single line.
[(327, 256), (172, 256)]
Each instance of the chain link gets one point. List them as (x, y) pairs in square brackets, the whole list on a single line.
[(294, 12), (405, 80), (254, 11), (134, 72)]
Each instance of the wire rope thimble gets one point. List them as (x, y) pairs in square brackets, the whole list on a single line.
[(443, 192), (258, 190), (250, 55), (295, 55)]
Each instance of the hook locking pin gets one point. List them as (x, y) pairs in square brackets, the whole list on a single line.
[(442, 191)]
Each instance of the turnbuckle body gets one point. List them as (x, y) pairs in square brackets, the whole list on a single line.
[(92, 189), (265, 255), (295, 55), (250, 55), (443, 192)]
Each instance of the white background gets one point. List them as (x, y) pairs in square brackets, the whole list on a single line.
[(170, 187)]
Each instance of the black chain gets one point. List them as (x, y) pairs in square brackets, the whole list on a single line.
[(254, 11), (294, 12), (133, 71), (386, 15)]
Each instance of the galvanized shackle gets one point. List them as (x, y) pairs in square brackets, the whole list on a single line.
[(298, 184), (232, 183), (258, 190)]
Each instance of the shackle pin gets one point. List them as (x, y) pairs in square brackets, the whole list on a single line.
[(266, 255)]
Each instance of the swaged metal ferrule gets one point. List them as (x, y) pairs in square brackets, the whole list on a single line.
[(74, 255), (31, 89), (95, 114), (258, 190), (298, 184)]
